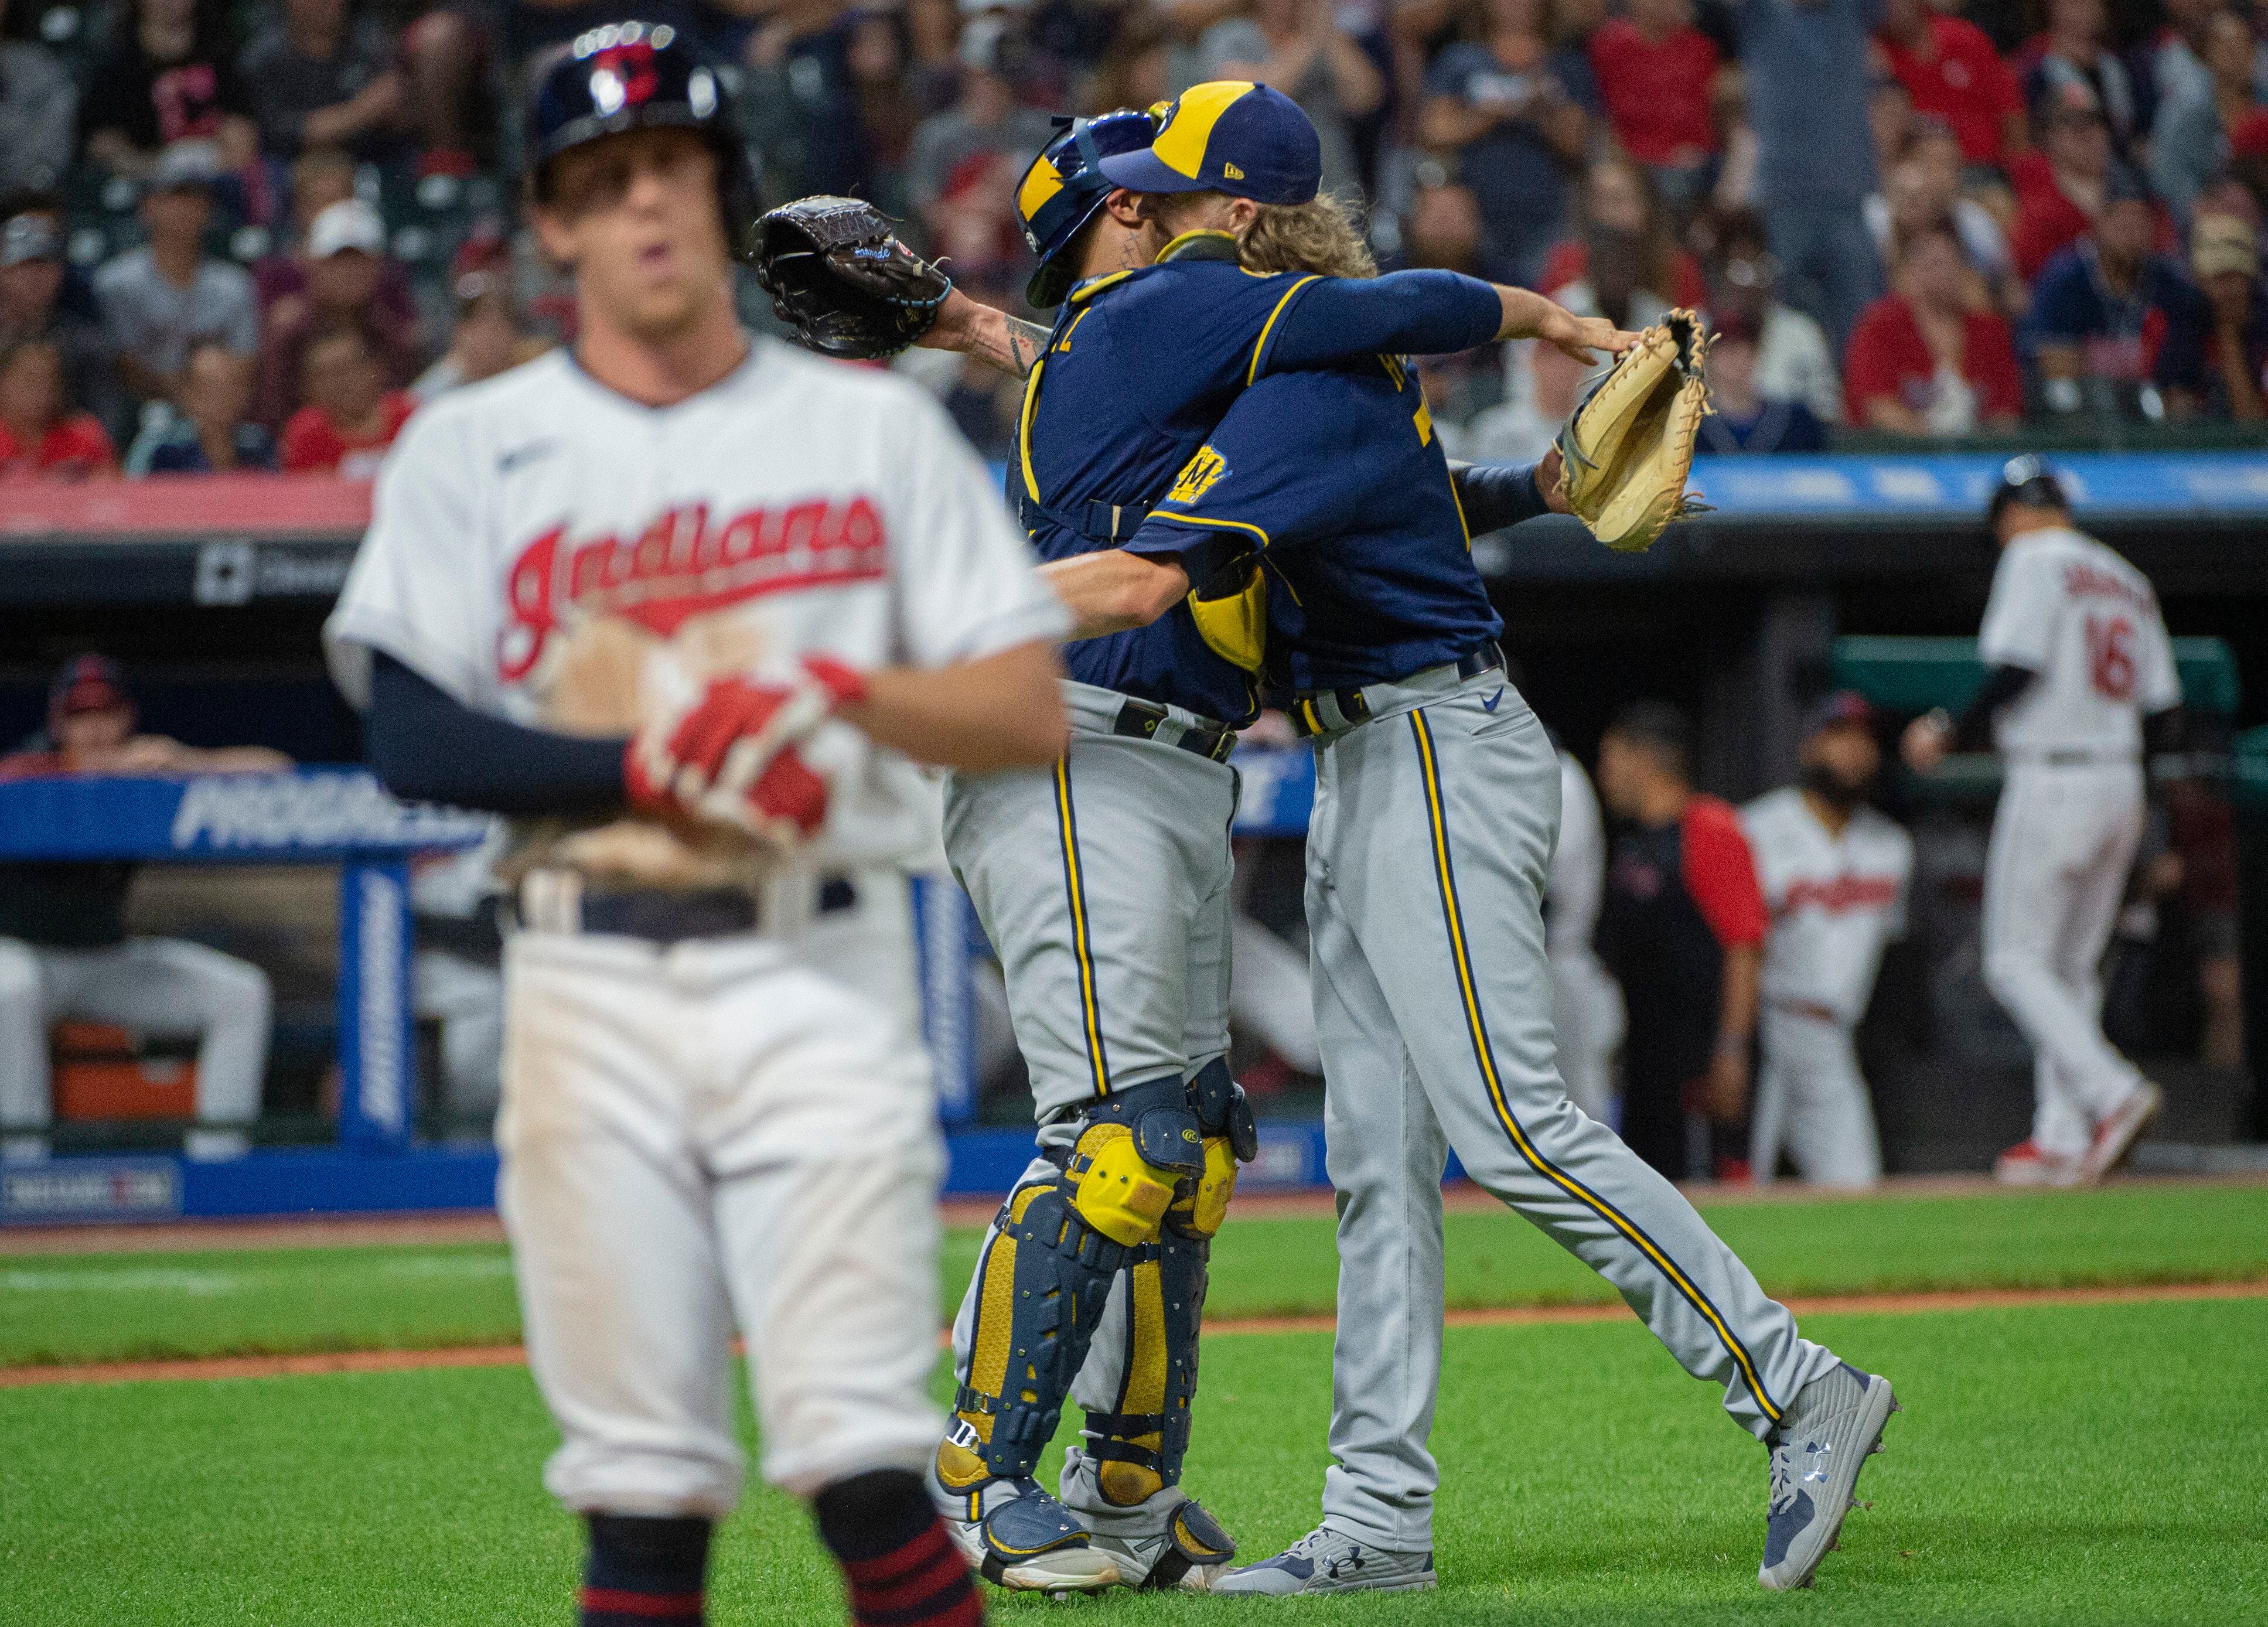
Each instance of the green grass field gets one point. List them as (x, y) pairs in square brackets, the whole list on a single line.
[(2056, 1465), (126, 1306)]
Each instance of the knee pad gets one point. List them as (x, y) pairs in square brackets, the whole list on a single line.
[(1139, 1448), (1224, 1110), (1205, 1206), (1043, 1284), (1136, 1150)]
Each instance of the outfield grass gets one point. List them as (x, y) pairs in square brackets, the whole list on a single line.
[(99, 1307), (2056, 1465)]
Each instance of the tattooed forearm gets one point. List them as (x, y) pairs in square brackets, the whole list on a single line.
[(1021, 344)]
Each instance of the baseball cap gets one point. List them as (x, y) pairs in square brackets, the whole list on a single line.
[(28, 238), (348, 224), (2218, 243), (1228, 136), (86, 683), (1835, 708), (185, 166)]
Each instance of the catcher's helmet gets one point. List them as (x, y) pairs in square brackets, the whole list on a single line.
[(2026, 480), (639, 76), (1064, 186)]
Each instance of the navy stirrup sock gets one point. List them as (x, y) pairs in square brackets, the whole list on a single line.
[(899, 1566), (644, 1572)]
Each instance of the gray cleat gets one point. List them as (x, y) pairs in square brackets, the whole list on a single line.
[(1327, 1561), (1826, 1438)]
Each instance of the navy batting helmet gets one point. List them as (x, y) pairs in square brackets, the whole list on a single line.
[(639, 76), (2026, 480), (1065, 185)]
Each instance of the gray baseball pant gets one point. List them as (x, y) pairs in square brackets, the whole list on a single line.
[(1427, 855)]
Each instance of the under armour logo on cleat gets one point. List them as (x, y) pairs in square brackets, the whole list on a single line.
[(1818, 1450)]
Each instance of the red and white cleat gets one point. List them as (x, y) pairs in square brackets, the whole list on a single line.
[(2027, 1165), (2115, 1135)]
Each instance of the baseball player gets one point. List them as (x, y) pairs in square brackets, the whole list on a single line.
[(677, 601), (1834, 874), (2079, 675), (1587, 1004), (1436, 809), (1104, 884)]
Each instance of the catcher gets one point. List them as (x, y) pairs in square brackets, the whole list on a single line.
[(1436, 814), (1104, 886)]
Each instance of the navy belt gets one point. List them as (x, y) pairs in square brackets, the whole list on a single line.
[(1146, 720), (659, 915), (1351, 704), (1107, 523)]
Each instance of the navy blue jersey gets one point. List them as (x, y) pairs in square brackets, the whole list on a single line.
[(1335, 485), (1140, 366)]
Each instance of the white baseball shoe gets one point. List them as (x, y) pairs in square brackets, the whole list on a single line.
[(2115, 1135), (1016, 1536), (1834, 1427), (1185, 1549), (2028, 1163), (1326, 1561)]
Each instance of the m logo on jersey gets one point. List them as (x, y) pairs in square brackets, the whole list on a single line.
[(682, 566), (1197, 477)]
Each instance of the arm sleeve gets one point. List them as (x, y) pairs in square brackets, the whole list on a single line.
[(1972, 731), (427, 747), (1337, 319), (1720, 873), (1497, 494)]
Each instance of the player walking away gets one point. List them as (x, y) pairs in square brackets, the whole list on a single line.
[(1834, 873), (1682, 930), (1587, 1004), (677, 601), (1436, 810), (1105, 883), (2079, 674)]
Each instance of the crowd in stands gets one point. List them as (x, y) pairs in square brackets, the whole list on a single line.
[(255, 233)]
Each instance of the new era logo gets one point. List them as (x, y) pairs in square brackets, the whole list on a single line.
[(1231, 173)]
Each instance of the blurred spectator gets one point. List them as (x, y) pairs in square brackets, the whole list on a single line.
[(1806, 67), (1746, 420), (350, 417), (159, 299), (933, 56), (1618, 200), (1921, 361), (1517, 114), (799, 102), (2074, 55), (888, 110), (43, 297), (320, 177), (208, 432), (38, 108), (1543, 383), (40, 437), (1655, 69), (1889, 121), (1951, 71), (321, 77), (2060, 186), (2190, 142), (2215, 358), (1794, 363), (2103, 305), (1736, 176), (170, 76), (1444, 232), (1137, 71), (447, 93), (1925, 184), (1298, 47), (63, 948), (2172, 64), (488, 337), (344, 267), (961, 177)]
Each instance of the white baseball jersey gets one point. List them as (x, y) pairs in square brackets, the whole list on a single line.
[(1835, 901), (551, 552), (2068, 608)]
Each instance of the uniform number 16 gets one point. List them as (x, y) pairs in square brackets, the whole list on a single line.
[(2111, 656)]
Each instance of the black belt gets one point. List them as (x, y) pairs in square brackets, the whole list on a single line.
[(2077, 758), (1354, 707), (1140, 720), (658, 915)]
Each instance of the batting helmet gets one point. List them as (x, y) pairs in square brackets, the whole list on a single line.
[(639, 76), (2025, 480), (1065, 185)]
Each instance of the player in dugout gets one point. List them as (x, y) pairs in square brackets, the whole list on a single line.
[(64, 950)]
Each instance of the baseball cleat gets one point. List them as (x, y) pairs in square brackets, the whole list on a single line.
[(1185, 1547), (1326, 1561), (2028, 1163), (1834, 1426), (2115, 1135), (1022, 1538)]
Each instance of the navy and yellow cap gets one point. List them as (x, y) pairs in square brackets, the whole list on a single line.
[(1065, 185), (1229, 136)]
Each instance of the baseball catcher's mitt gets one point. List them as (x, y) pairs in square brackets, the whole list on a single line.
[(1629, 446), (839, 277)]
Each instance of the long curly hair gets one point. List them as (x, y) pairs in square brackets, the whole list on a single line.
[(1322, 237)]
